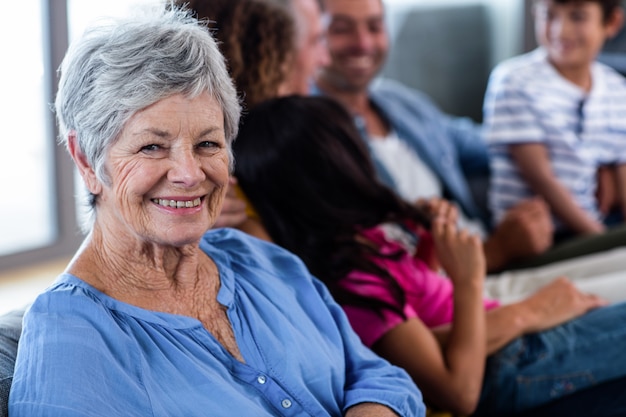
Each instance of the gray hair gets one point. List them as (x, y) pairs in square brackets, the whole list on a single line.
[(115, 70)]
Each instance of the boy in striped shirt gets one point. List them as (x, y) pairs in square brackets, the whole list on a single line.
[(555, 115)]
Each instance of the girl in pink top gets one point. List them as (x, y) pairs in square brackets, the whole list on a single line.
[(411, 283), (427, 295)]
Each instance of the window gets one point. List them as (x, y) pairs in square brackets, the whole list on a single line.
[(27, 217), (34, 171), (38, 220), (38, 217)]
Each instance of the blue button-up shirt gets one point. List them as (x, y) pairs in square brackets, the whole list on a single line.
[(452, 147), (83, 353)]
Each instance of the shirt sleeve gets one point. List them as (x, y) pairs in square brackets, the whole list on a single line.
[(509, 117), (369, 322), (63, 360), (369, 378), (464, 134), (471, 148)]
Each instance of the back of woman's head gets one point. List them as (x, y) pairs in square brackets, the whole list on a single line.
[(257, 39), (302, 164)]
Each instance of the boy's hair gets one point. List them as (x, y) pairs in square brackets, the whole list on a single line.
[(608, 6)]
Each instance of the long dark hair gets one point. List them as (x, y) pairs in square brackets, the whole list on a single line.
[(304, 167)]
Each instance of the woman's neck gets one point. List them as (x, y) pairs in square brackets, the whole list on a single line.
[(145, 275)]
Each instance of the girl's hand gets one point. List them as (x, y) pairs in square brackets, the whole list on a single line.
[(438, 207), (460, 253), (557, 303)]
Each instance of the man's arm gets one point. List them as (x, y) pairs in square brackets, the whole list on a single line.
[(526, 230)]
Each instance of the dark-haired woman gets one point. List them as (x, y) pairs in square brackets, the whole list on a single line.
[(306, 171)]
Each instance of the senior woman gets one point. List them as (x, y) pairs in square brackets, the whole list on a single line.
[(155, 316)]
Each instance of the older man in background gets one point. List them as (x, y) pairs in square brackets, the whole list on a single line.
[(420, 152), (311, 55)]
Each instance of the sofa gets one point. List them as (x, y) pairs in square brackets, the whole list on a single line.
[(444, 51), (10, 329)]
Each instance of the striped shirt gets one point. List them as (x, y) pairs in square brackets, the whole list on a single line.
[(528, 101)]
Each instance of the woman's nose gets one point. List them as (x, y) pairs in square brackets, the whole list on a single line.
[(186, 167)]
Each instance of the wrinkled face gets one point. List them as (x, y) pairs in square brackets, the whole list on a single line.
[(572, 33), (311, 52), (168, 171), (357, 42)]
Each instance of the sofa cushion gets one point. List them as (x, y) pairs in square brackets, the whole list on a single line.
[(10, 329), (433, 53)]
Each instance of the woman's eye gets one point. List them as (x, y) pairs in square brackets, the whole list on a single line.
[(150, 148), (208, 144)]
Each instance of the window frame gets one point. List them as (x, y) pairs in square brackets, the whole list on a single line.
[(68, 234)]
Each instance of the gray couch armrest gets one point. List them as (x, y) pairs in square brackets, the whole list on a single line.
[(10, 330)]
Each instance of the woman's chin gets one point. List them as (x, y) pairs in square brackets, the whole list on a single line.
[(180, 238)]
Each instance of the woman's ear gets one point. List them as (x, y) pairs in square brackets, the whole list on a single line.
[(85, 170)]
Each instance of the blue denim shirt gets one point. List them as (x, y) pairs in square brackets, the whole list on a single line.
[(452, 147), (83, 353)]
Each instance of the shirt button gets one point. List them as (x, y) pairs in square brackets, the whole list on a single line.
[(261, 379), (286, 403)]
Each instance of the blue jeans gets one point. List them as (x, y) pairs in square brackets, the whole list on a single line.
[(540, 368)]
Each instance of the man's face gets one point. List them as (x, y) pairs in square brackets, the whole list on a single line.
[(357, 42)]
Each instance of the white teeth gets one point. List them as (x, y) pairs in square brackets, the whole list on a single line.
[(360, 62), (177, 204)]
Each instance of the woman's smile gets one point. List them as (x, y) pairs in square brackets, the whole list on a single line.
[(177, 204)]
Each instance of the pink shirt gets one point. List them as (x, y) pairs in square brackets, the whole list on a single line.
[(427, 295)]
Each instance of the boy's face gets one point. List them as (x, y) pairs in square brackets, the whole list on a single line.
[(573, 33)]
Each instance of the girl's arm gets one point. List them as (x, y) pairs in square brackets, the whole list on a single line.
[(447, 363), (450, 377), (556, 303), (553, 304), (534, 164)]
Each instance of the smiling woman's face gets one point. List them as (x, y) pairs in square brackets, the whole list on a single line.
[(168, 173)]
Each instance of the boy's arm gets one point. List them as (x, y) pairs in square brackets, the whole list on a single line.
[(534, 164), (621, 187), (607, 189)]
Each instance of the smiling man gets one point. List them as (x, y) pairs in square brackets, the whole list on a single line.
[(419, 151)]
